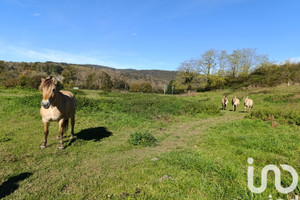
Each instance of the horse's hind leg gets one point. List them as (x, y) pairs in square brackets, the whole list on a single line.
[(46, 132), (72, 127), (60, 133)]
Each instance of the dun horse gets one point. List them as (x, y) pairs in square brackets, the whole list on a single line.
[(235, 102), (224, 102), (56, 106), (248, 104)]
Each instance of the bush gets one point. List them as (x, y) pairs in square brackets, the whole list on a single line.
[(11, 82), (142, 139), (280, 116), (141, 87)]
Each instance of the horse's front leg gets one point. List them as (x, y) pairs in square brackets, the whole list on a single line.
[(46, 132), (72, 127), (60, 133)]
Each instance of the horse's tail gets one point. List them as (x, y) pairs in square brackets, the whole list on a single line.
[(65, 125)]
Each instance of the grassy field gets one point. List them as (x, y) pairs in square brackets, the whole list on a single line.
[(201, 151)]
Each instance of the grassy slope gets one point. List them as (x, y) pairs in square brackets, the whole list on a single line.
[(204, 156)]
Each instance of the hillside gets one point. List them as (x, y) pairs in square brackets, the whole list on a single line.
[(162, 75), (84, 76)]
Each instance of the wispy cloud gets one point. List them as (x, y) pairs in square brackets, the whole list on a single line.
[(295, 59), (36, 14), (113, 59), (42, 55), (15, 2)]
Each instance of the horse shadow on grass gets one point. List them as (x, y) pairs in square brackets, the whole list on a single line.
[(12, 184), (91, 134)]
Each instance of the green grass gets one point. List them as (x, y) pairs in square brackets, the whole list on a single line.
[(142, 139), (201, 151)]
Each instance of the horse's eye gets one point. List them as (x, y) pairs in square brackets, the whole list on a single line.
[(53, 90)]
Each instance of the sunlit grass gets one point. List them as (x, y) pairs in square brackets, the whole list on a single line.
[(201, 153)]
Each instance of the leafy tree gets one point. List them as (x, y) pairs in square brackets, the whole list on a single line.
[(69, 74), (146, 88), (1, 66), (52, 69), (171, 87), (135, 87), (120, 85), (106, 83), (90, 82), (235, 62), (141, 87), (208, 61), (215, 82), (188, 72), (222, 63)]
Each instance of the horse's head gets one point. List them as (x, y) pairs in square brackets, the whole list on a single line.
[(233, 99), (50, 87)]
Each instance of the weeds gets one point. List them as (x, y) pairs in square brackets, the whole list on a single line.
[(142, 139), (281, 116)]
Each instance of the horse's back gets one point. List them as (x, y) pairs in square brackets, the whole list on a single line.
[(249, 103), (237, 102), (70, 101), (67, 93)]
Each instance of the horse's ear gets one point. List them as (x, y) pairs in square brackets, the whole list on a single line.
[(41, 85), (59, 85), (54, 80)]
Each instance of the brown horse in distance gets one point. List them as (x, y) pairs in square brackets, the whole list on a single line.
[(224, 102), (235, 102), (56, 106)]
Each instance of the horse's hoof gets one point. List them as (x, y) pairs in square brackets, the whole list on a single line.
[(72, 137), (61, 148), (43, 147), (58, 138)]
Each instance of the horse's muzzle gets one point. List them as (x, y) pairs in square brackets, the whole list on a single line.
[(45, 104)]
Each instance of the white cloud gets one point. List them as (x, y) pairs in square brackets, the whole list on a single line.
[(294, 60), (42, 55), (36, 14), (15, 2), (111, 59)]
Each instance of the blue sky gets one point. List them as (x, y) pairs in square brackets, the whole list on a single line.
[(154, 34)]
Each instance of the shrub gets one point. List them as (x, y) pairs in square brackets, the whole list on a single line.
[(280, 116), (141, 87), (142, 139), (11, 82)]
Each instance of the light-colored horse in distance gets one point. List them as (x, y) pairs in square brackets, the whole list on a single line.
[(224, 102), (56, 106), (235, 102), (248, 104)]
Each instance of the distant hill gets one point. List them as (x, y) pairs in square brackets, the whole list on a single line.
[(163, 75), (85, 76)]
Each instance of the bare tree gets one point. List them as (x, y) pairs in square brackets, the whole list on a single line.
[(208, 61)]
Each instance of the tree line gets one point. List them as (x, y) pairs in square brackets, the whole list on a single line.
[(218, 69), (28, 75), (213, 69)]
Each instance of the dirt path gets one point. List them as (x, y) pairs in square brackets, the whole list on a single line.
[(181, 136)]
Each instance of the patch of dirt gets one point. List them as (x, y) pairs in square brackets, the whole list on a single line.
[(165, 177), (189, 94), (296, 96)]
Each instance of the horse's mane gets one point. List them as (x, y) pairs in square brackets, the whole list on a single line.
[(46, 83)]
